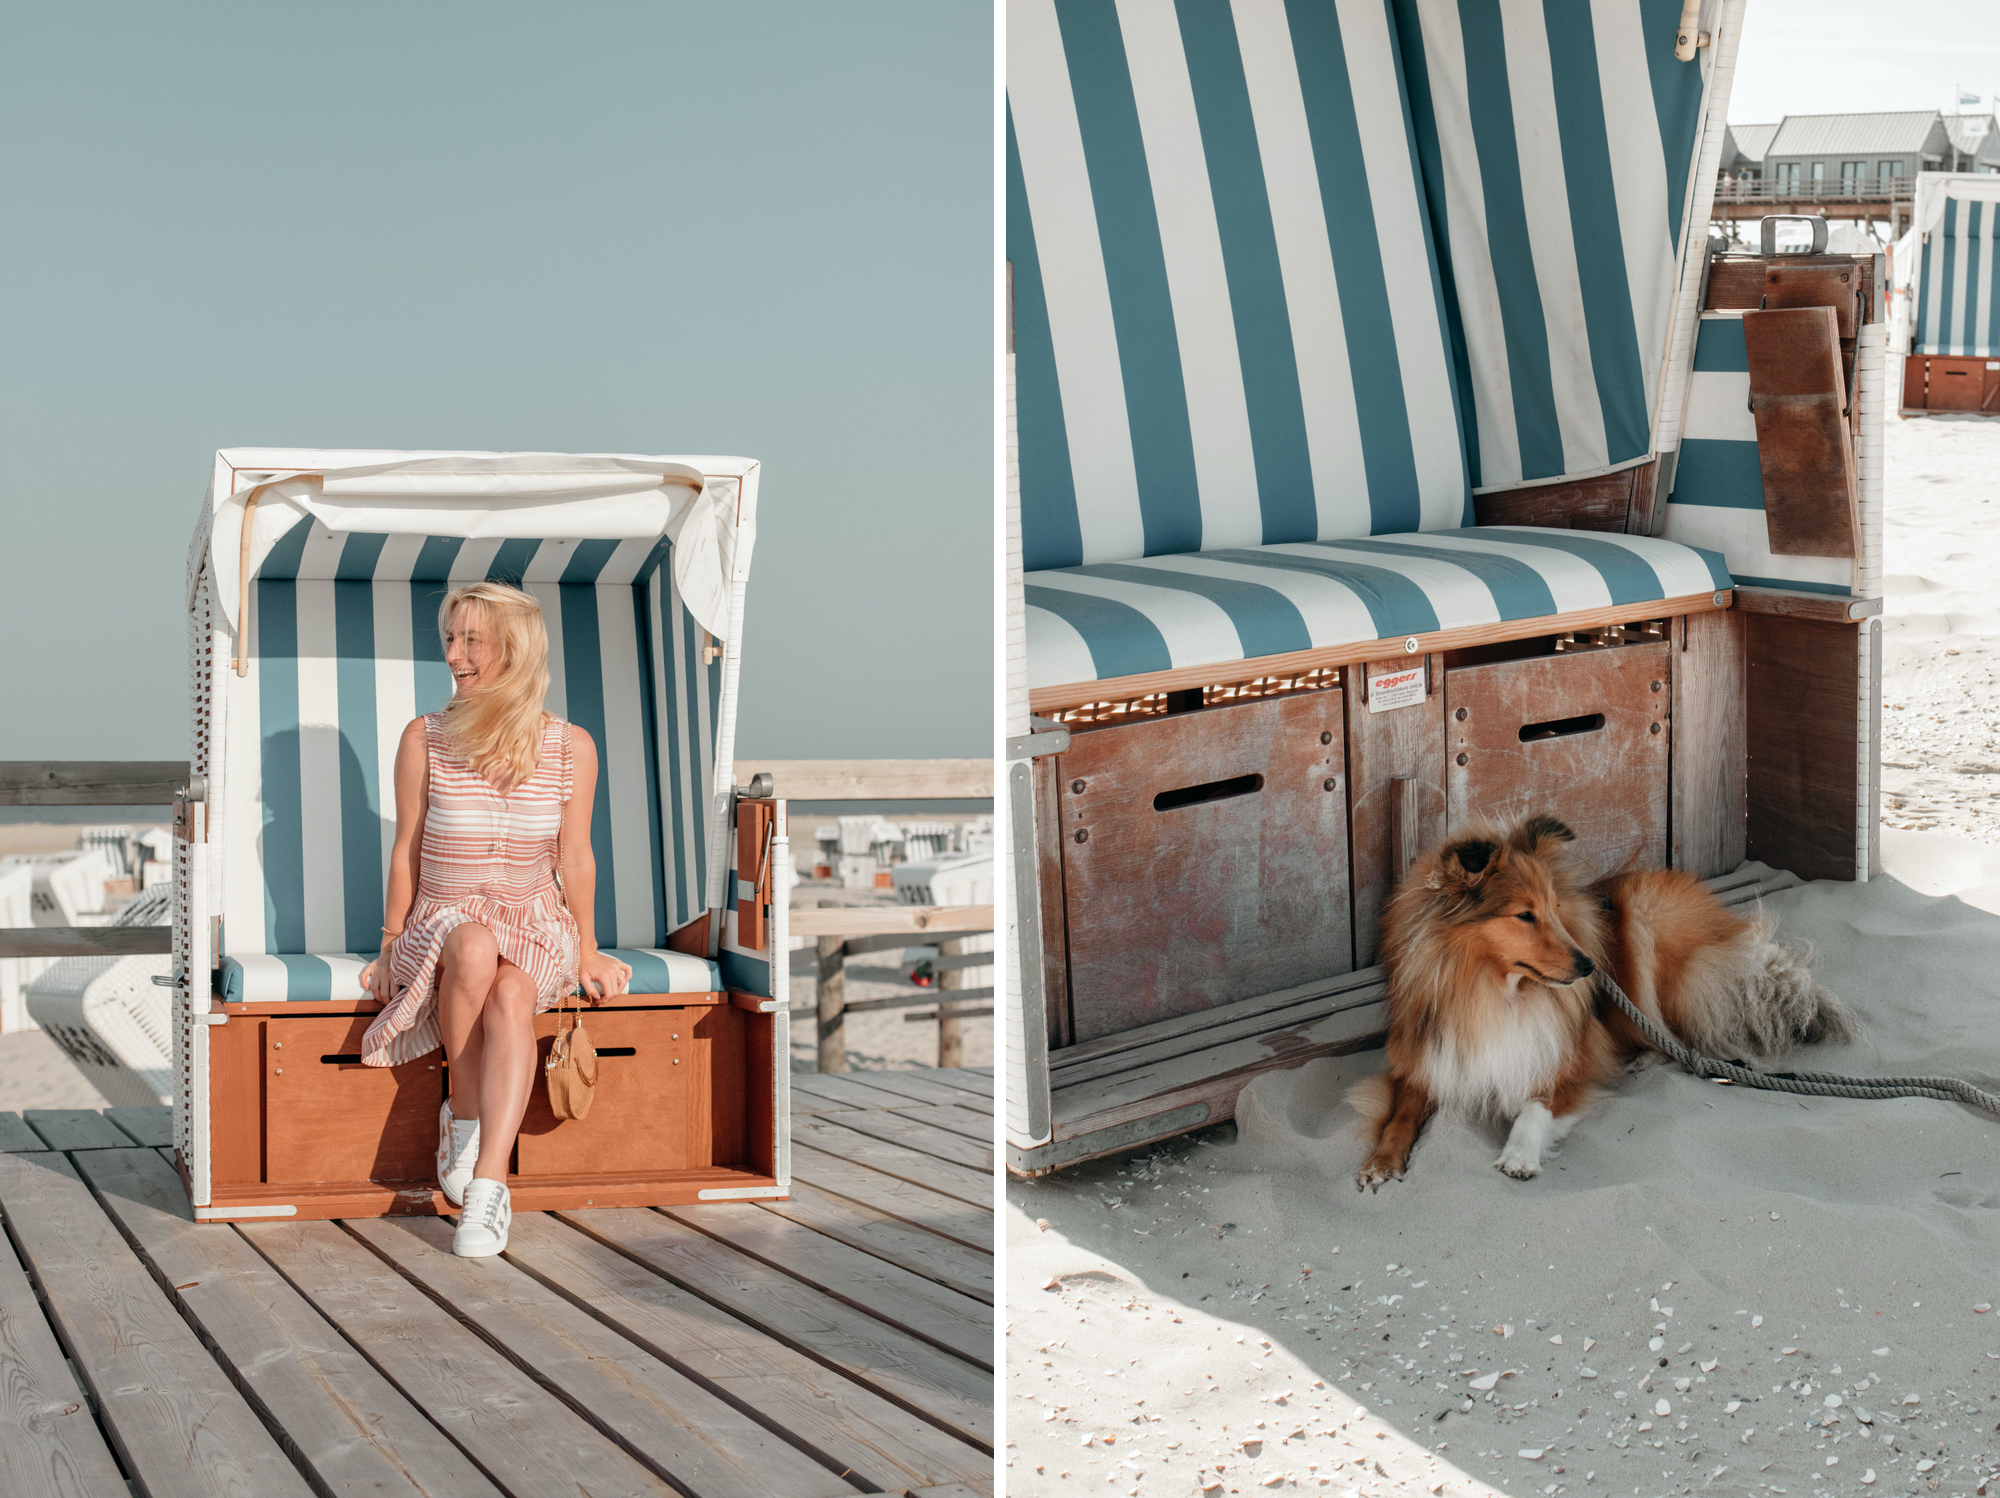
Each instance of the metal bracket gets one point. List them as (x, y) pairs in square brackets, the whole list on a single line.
[(212, 1018), (1046, 737), (760, 787)]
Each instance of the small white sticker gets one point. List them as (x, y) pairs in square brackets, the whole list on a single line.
[(1993, 363), (1394, 689)]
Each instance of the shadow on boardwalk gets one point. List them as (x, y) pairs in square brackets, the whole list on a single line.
[(838, 1342)]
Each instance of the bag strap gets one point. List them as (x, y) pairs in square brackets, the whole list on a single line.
[(563, 1009)]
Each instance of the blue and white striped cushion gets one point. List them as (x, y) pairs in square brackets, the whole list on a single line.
[(1228, 319), (1958, 282), (1558, 143), (258, 978), (1118, 619), (1718, 494), (344, 652)]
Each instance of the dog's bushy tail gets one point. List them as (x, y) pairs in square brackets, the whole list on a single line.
[(1370, 1098), (1758, 998)]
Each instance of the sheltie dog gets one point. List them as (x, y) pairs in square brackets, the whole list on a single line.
[(1489, 948)]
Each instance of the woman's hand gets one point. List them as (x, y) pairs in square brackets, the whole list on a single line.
[(602, 976), (376, 978)]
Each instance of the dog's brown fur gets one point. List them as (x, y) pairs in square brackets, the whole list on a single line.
[(1488, 945)]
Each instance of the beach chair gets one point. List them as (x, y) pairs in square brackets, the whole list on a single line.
[(1352, 351), (1952, 323), (313, 586)]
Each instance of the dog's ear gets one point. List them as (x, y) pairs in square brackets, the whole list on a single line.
[(1468, 862), (1538, 829)]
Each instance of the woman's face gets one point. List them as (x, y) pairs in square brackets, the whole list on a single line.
[(471, 651)]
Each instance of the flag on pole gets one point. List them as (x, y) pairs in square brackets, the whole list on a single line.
[(1965, 100)]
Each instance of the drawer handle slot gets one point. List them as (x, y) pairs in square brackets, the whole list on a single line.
[(617, 1050), (354, 1060), (1214, 790), (1557, 728)]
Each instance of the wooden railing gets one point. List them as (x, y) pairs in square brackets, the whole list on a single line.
[(855, 930), (89, 782), (1826, 189)]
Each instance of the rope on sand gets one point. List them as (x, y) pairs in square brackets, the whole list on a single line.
[(1811, 1084)]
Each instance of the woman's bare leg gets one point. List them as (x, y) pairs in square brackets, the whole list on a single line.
[(467, 967), (507, 1068)]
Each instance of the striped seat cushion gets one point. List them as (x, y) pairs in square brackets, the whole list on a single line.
[(1110, 620), (344, 651), (1228, 321), (1558, 146), (256, 978), (1958, 274), (1718, 495)]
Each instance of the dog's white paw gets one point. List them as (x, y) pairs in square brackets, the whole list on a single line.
[(1372, 1175), (1522, 1165)]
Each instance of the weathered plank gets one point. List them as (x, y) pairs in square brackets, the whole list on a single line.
[(1798, 395), (869, 1437), (178, 1426), (882, 920), (953, 1118), (49, 1445), (17, 1138), (341, 1420), (152, 1127), (1403, 741), (1708, 748), (85, 941), (78, 1129), (957, 1323), (931, 1384), (524, 1435), (952, 1490), (843, 1089), (948, 1263), (977, 1079), (914, 1204), (874, 779), (1801, 723), (668, 1421), (910, 1084), (94, 782), (973, 1186), (896, 1128)]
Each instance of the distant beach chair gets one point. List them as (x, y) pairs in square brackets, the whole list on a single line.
[(314, 582), (1952, 319)]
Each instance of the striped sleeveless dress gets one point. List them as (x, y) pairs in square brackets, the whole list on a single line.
[(489, 858)]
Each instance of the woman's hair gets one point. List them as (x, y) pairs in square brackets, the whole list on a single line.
[(498, 729)]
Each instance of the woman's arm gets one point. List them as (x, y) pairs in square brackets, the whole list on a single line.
[(406, 852), (599, 975)]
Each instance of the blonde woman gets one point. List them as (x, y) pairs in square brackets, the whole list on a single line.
[(477, 937)]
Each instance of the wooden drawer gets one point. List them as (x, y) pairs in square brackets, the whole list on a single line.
[(329, 1118), (1583, 736), (1204, 859), (670, 1096)]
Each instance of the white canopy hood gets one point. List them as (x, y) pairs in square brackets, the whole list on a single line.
[(704, 505)]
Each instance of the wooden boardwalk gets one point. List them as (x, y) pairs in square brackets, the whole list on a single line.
[(838, 1342)]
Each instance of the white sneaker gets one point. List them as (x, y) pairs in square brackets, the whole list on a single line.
[(482, 1226), (458, 1148)]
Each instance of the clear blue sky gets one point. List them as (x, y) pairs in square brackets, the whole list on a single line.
[(760, 227)]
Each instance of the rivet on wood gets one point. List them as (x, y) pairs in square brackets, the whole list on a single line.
[(1656, 728), (1656, 686), (1083, 834), (1460, 715), (1076, 787), (1464, 758), (1326, 738), (277, 1071), (1329, 783)]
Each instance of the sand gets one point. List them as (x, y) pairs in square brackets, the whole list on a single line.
[(1941, 630), (1818, 1274)]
